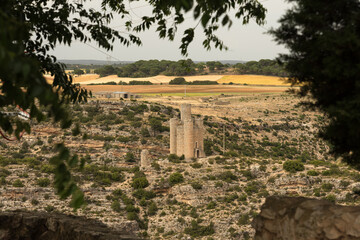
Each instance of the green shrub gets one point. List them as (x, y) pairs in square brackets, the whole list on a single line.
[(47, 168), (219, 184), (143, 194), (115, 206), (331, 198), (117, 193), (176, 178), (43, 182), (132, 216), (156, 166), (178, 81), (211, 205), (18, 183), (244, 219), (196, 185), (230, 198), (49, 208), (196, 165), (197, 230), (140, 182), (136, 82), (3, 181), (144, 132), (193, 213), (136, 124), (4, 172), (313, 173), (293, 166), (173, 158), (152, 209), (327, 187), (227, 176), (242, 198), (317, 192), (253, 187), (344, 183), (131, 208), (129, 157)]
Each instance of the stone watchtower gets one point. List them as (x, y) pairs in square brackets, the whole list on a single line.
[(187, 135)]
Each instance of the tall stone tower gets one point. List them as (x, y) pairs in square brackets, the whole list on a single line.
[(187, 135)]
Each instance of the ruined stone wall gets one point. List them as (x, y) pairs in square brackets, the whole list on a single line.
[(180, 140), (173, 127), (188, 139), (299, 218), (199, 136), (145, 163), (19, 225), (185, 111)]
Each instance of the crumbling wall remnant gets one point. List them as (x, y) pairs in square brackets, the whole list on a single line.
[(144, 160), (299, 218), (18, 225)]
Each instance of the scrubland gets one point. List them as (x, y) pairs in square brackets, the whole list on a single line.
[(271, 148)]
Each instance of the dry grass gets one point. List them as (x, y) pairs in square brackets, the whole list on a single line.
[(254, 80), (189, 89), (156, 79), (76, 79), (237, 79), (85, 77)]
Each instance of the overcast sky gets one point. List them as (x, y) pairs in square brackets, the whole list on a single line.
[(245, 42)]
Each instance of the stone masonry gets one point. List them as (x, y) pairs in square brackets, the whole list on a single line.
[(144, 161), (187, 135), (299, 218), (22, 225)]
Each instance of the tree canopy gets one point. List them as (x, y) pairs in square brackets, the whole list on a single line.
[(148, 68), (29, 29), (261, 67), (323, 38)]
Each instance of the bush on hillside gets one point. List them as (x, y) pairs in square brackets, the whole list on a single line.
[(293, 166)]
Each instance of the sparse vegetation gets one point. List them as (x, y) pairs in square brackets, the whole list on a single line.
[(248, 171)]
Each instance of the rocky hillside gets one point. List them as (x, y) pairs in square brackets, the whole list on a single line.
[(271, 151)]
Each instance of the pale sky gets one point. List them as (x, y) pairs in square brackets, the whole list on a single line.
[(245, 42)]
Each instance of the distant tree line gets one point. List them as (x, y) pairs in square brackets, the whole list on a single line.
[(263, 67), (155, 67), (133, 82), (182, 81), (187, 67), (150, 68)]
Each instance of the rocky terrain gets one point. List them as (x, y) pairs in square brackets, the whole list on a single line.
[(271, 148)]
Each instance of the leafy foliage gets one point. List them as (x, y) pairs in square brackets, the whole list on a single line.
[(182, 81), (262, 67), (139, 181), (176, 178), (293, 166), (178, 81), (323, 38), (197, 230)]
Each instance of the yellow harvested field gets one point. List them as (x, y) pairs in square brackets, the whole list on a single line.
[(156, 80), (77, 79), (85, 77), (238, 79), (254, 80), (211, 89)]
